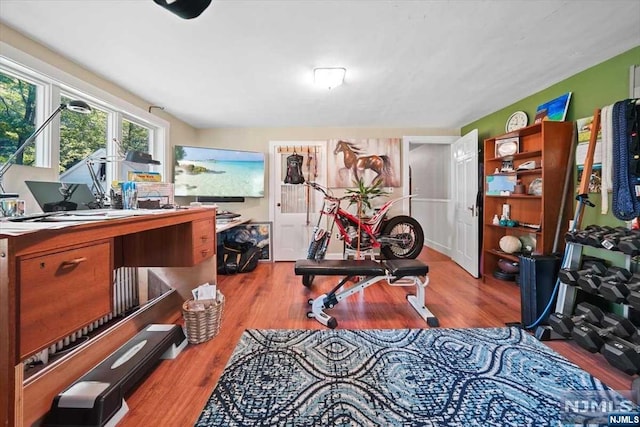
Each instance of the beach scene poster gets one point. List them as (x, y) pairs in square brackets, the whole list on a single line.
[(203, 171)]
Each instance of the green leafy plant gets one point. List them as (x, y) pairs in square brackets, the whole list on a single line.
[(365, 194)]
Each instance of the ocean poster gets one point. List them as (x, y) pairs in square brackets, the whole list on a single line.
[(200, 171)]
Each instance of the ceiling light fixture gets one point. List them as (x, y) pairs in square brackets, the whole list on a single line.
[(186, 9), (329, 77)]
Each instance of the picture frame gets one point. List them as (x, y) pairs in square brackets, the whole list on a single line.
[(261, 233), (507, 147), (554, 110)]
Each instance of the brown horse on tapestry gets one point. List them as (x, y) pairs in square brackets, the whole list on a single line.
[(381, 165)]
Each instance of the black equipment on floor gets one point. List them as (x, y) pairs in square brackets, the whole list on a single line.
[(537, 279), (98, 396)]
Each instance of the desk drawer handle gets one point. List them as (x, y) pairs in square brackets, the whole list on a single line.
[(204, 252), (74, 261), (204, 238)]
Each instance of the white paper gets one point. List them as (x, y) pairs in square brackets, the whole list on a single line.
[(206, 291)]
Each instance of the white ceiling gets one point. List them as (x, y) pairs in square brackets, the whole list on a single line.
[(249, 63)]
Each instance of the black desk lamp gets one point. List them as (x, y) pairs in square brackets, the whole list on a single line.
[(76, 106)]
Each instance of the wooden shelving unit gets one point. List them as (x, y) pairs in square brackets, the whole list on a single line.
[(548, 144)]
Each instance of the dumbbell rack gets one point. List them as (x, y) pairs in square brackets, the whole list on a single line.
[(567, 295)]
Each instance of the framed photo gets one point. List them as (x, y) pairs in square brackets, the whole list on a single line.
[(260, 235), (555, 110), (507, 147)]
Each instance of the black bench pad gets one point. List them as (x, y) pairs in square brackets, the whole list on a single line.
[(339, 267), (367, 267), (406, 267)]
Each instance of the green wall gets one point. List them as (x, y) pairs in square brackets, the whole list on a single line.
[(595, 87)]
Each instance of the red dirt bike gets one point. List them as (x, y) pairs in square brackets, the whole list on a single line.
[(399, 237)]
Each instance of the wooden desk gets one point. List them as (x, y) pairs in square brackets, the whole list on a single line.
[(55, 281), (228, 225)]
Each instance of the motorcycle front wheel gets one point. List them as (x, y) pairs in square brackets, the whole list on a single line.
[(406, 235), (317, 249)]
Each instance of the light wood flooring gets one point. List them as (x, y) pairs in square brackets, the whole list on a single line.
[(272, 297)]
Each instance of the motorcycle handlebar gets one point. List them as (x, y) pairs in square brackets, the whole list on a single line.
[(324, 191)]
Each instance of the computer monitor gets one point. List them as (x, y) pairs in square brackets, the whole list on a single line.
[(61, 196)]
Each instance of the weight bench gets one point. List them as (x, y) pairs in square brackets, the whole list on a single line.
[(397, 272)]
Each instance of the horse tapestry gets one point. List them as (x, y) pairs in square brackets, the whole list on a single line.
[(369, 159)]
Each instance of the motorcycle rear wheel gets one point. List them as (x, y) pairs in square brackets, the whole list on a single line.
[(409, 231), (317, 250)]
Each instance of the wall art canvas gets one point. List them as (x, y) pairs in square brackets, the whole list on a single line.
[(555, 110), (370, 159)]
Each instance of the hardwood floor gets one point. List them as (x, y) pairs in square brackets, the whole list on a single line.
[(272, 297)]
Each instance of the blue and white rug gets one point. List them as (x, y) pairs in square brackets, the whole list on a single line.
[(409, 377)]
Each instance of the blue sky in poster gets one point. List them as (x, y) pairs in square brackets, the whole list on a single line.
[(556, 108)]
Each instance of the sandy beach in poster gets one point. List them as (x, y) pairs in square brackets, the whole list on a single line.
[(225, 179)]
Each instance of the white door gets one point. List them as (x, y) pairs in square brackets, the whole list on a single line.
[(294, 208), (466, 215)]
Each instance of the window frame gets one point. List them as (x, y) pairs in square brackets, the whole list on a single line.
[(55, 83)]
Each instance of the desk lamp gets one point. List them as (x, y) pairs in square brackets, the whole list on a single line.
[(130, 156), (76, 106)]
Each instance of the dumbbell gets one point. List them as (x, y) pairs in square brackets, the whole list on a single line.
[(591, 337), (617, 291), (583, 235), (563, 324), (633, 299), (570, 236), (570, 276), (623, 354), (590, 282), (595, 237), (611, 240), (630, 245)]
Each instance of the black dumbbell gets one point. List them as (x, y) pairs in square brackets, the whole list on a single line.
[(570, 276), (591, 337), (563, 324), (570, 236), (590, 282), (633, 299), (630, 245), (583, 235), (623, 354), (611, 240), (617, 291), (595, 237)]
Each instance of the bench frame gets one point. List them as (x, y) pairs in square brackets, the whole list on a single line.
[(339, 292)]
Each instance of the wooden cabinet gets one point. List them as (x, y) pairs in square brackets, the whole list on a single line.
[(184, 245), (62, 291), (547, 145), (204, 240)]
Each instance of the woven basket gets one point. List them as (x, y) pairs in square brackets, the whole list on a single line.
[(202, 325)]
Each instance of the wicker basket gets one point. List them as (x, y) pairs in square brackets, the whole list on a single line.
[(202, 325)]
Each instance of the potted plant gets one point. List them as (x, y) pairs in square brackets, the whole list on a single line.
[(364, 194)]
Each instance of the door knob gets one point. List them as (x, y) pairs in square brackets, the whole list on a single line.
[(278, 204)]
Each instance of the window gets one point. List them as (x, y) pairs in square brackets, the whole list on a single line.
[(134, 137), (18, 112), (30, 90), (81, 136)]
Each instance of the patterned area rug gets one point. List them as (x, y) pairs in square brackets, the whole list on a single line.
[(410, 377)]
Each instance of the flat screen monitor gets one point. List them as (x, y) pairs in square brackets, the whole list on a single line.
[(215, 172), (60, 196)]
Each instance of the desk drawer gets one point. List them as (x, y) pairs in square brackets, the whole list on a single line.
[(61, 292), (204, 240)]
